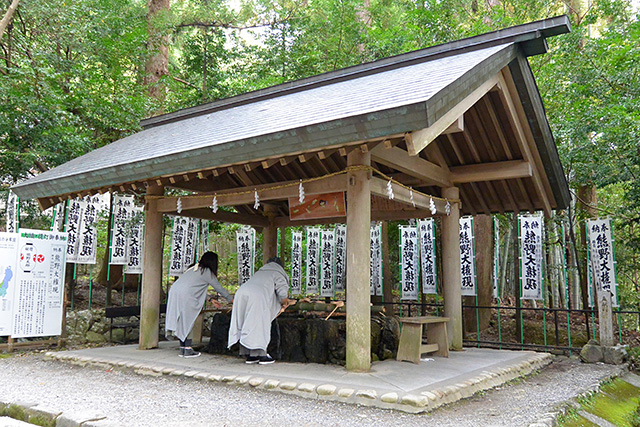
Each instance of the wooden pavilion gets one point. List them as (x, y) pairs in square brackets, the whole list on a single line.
[(461, 124)]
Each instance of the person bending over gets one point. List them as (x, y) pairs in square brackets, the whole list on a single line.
[(256, 304), (186, 299)]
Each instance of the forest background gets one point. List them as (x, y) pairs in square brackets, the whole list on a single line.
[(78, 74)]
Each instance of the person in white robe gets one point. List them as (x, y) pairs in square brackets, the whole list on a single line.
[(256, 304), (186, 299)]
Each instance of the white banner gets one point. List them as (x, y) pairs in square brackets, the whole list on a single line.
[(135, 242), (203, 243), (8, 260), (190, 243), (375, 261), (88, 237), (531, 256), (13, 213), (296, 263), (313, 259), (409, 262), (496, 258), (73, 227), (176, 264), (245, 242), (39, 279), (467, 257), (58, 216), (341, 257), (122, 211), (602, 265), (327, 263), (427, 234)]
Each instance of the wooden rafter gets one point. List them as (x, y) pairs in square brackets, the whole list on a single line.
[(423, 137), (401, 161), (493, 171)]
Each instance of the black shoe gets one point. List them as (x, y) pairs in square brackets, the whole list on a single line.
[(188, 352), (252, 359), (266, 360), (181, 352)]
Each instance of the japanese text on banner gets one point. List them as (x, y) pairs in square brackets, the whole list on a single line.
[(296, 263), (327, 264), (245, 242), (376, 260), (341, 257), (428, 255), (531, 256), (409, 262), (313, 259), (467, 257), (603, 265)]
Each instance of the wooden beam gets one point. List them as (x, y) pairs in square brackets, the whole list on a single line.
[(456, 126), (423, 137), (266, 192), (402, 195), (255, 220), (494, 171), (508, 95), (401, 161)]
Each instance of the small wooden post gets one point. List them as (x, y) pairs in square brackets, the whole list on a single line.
[(451, 269), (358, 259), (152, 277)]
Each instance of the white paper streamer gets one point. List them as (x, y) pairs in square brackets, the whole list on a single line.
[(179, 205), (411, 197), (447, 208), (432, 206), (390, 190), (214, 204), (256, 203), (300, 193)]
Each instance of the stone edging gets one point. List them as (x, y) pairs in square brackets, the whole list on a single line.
[(550, 419), (411, 403)]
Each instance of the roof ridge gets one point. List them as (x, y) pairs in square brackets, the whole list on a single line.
[(536, 31)]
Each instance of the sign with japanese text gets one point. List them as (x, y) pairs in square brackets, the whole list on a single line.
[(602, 260), (122, 211), (13, 213), (341, 257), (88, 236), (245, 243), (531, 256), (375, 262), (409, 262), (8, 258), (73, 227), (427, 236), (296, 263), (327, 263), (135, 242), (329, 205), (467, 257), (57, 219), (313, 259), (178, 233), (203, 244), (190, 243), (37, 278)]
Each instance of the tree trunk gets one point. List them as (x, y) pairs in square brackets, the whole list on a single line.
[(585, 209), (484, 266), (8, 16), (157, 64)]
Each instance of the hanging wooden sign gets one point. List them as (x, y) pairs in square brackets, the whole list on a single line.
[(328, 205)]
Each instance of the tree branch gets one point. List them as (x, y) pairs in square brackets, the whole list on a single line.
[(8, 16)]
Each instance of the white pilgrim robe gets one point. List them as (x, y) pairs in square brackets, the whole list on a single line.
[(256, 303), (186, 299)]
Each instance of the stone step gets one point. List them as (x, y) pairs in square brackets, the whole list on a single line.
[(12, 422)]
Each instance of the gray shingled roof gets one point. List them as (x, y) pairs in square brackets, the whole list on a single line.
[(247, 132)]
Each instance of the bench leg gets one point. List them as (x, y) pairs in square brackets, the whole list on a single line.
[(437, 334), (410, 343), (196, 334)]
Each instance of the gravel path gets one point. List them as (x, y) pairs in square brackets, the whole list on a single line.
[(135, 400)]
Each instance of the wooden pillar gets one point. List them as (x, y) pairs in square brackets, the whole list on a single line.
[(269, 236), (358, 260), (152, 277), (451, 269)]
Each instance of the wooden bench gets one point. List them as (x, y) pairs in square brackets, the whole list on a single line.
[(411, 345), (128, 312)]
